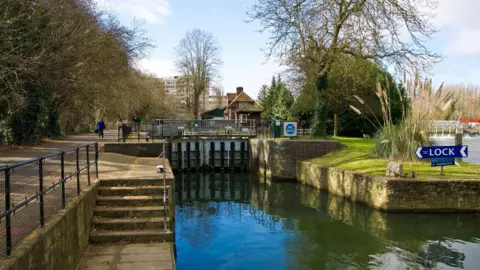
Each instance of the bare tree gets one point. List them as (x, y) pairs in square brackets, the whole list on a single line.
[(198, 60), (51, 83), (218, 96), (310, 35)]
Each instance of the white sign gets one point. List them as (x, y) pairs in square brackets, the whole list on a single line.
[(290, 129)]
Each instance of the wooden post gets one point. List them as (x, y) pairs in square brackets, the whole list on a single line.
[(459, 141), (242, 155), (232, 156), (222, 155), (179, 156), (197, 155), (188, 155), (212, 155)]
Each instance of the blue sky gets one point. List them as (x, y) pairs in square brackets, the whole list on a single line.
[(167, 21)]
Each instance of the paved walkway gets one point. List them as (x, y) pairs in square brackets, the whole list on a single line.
[(154, 256), (29, 152), (25, 180)]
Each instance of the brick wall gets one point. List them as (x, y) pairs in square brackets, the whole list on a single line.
[(278, 158)]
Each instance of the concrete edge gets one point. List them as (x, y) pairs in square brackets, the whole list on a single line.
[(30, 240), (391, 182), (391, 179)]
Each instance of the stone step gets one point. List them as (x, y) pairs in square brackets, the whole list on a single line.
[(105, 236), (138, 200), (132, 190), (135, 211), (150, 223), (134, 182)]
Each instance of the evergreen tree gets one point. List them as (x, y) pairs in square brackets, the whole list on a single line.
[(262, 100), (283, 102)]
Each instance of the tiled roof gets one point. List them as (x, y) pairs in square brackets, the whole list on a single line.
[(231, 97), (243, 97)]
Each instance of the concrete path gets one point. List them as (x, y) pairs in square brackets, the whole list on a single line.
[(29, 152), (25, 179), (153, 256)]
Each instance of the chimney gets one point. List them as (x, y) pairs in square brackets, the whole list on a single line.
[(239, 90)]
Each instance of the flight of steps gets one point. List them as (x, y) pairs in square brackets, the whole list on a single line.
[(132, 210)]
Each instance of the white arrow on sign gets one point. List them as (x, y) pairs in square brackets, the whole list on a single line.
[(419, 155), (463, 151)]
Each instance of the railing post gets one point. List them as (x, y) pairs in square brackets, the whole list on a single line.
[(88, 163), (8, 241), (96, 158), (78, 169), (40, 189), (62, 172)]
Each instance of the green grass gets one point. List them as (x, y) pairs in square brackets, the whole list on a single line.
[(356, 156)]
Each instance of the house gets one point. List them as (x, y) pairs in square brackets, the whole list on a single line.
[(241, 106)]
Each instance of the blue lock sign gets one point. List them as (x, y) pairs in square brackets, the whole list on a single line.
[(290, 129), (454, 151)]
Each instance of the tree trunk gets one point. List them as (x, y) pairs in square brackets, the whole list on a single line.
[(196, 104), (335, 125), (319, 128)]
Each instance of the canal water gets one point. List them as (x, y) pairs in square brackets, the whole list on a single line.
[(237, 221)]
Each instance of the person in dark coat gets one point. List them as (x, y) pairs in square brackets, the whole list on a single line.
[(100, 128)]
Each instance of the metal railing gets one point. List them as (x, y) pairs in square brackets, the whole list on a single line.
[(26, 191), (164, 172), (164, 128)]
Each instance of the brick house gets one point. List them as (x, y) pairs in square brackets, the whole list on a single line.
[(242, 107)]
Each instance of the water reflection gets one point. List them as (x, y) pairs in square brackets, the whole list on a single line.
[(233, 221)]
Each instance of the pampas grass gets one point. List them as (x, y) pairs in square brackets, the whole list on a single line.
[(421, 104)]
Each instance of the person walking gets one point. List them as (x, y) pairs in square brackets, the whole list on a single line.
[(100, 128)]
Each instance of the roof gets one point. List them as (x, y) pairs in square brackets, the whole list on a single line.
[(231, 97), (219, 112), (243, 97)]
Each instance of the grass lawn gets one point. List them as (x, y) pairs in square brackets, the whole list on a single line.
[(356, 157)]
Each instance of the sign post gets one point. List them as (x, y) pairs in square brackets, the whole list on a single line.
[(290, 129), (442, 155)]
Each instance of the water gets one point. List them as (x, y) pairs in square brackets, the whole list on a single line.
[(237, 222), (473, 147)]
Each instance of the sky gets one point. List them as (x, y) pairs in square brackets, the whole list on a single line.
[(244, 62)]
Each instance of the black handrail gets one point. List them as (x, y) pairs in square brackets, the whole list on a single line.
[(11, 208)]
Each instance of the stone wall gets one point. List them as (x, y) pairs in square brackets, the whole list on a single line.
[(278, 158), (135, 149), (60, 244), (390, 194)]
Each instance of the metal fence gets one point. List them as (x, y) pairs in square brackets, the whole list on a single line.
[(160, 129), (35, 190), (264, 129)]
